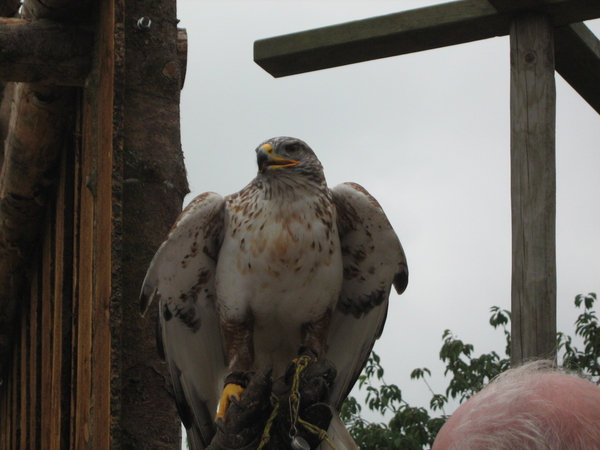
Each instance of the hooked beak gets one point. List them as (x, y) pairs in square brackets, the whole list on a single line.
[(266, 159)]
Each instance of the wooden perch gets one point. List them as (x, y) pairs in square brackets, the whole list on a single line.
[(35, 138), (44, 51)]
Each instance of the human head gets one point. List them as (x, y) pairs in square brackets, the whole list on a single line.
[(532, 407)]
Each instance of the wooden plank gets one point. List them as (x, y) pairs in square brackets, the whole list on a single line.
[(48, 338), (577, 52), (401, 33), (64, 248), (83, 295), (45, 51), (60, 258), (105, 286), (14, 397), (24, 392), (4, 422), (533, 187), (78, 183), (33, 334)]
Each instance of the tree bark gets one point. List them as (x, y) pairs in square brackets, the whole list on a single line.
[(8, 8), (154, 185), (45, 51)]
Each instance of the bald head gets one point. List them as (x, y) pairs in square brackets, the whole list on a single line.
[(532, 407)]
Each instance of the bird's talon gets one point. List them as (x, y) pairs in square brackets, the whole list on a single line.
[(235, 400), (230, 391)]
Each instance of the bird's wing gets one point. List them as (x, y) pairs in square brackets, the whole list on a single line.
[(373, 260), (181, 278)]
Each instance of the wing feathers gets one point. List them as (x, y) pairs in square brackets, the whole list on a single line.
[(181, 278), (372, 253), (373, 260)]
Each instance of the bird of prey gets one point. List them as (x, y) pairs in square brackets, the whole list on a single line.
[(245, 281)]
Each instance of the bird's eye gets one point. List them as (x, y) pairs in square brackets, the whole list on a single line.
[(292, 148)]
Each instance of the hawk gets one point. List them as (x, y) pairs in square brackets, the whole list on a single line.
[(245, 281)]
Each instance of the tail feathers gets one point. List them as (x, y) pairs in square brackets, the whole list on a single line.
[(339, 435)]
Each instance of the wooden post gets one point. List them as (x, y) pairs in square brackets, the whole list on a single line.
[(85, 372), (533, 187)]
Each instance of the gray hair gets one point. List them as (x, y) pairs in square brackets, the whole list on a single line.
[(506, 416)]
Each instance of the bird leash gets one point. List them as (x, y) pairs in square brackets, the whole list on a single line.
[(297, 442)]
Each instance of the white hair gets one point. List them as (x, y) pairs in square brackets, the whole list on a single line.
[(506, 416)]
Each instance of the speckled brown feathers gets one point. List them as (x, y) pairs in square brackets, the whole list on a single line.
[(243, 282)]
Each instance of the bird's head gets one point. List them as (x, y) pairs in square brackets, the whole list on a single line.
[(287, 154)]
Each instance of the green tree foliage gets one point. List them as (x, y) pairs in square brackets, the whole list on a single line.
[(414, 428)]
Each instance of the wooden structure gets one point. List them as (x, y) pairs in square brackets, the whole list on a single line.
[(91, 181), (544, 35)]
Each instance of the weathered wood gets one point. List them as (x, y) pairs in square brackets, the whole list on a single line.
[(84, 283), (48, 344), (35, 138), (401, 33), (9, 8), (24, 391), (45, 51), (107, 173), (380, 37), (577, 52), (153, 190), (533, 186), (59, 9), (7, 91), (561, 12), (32, 330), (43, 354)]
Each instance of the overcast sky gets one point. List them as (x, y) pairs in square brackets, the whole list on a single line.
[(427, 134)]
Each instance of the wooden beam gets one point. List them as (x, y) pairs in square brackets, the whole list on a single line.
[(577, 52), (533, 187), (577, 49), (379, 37), (561, 12), (45, 51), (401, 33)]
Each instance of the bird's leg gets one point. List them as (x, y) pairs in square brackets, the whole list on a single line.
[(314, 334), (239, 344)]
